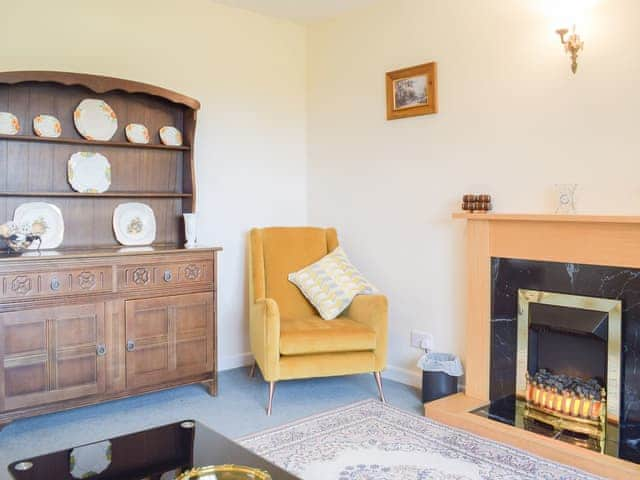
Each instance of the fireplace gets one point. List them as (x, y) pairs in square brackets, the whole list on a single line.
[(593, 256), (568, 367), (558, 355)]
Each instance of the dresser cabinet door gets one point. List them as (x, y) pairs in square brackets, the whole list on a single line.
[(51, 354), (169, 338)]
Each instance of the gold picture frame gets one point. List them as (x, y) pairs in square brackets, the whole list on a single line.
[(412, 91)]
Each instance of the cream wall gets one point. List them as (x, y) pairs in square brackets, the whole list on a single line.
[(249, 73), (513, 122)]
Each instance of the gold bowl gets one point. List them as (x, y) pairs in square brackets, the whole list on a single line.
[(225, 472)]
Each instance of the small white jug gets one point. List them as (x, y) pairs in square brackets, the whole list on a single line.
[(190, 230)]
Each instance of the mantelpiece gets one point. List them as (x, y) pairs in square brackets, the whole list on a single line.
[(542, 217), (95, 321), (588, 240)]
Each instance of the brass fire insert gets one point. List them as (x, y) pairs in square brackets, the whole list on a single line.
[(596, 418)]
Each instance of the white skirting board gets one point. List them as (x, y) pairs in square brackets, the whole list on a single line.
[(235, 361), (397, 374), (403, 375)]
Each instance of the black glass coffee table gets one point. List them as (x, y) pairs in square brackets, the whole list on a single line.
[(146, 454)]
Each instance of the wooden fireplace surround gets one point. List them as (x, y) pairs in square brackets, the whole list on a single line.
[(585, 239)]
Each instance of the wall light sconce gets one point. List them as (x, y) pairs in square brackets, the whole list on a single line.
[(572, 45)]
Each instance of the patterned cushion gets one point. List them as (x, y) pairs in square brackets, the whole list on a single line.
[(331, 283)]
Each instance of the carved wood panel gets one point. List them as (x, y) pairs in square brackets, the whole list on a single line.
[(53, 283), (166, 274)]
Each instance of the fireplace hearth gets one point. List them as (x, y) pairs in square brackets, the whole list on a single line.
[(565, 353)]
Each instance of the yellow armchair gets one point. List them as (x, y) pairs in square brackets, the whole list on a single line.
[(288, 338)]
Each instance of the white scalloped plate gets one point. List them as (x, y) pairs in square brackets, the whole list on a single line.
[(89, 172), (137, 133), (47, 126), (9, 123), (171, 136), (134, 224), (44, 216), (95, 119)]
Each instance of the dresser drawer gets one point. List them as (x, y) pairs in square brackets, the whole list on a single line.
[(165, 274), (51, 283)]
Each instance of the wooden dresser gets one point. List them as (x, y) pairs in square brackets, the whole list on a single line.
[(92, 320)]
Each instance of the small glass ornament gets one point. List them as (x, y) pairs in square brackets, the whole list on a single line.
[(566, 193)]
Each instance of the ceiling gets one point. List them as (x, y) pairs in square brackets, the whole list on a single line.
[(301, 11)]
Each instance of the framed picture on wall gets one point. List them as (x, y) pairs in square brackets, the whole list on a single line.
[(412, 91)]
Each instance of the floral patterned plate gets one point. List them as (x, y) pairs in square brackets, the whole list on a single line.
[(89, 172), (137, 133), (9, 123), (134, 224), (40, 218), (171, 136), (47, 126), (95, 119)]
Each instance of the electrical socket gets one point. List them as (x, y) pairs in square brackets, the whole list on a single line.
[(421, 340)]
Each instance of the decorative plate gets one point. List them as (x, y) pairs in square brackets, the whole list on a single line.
[(171, 136), (89, 172), (225, 472), (137, 133), (134, 224), (95, 119), (9, 123), (40, 218), (47, 126)]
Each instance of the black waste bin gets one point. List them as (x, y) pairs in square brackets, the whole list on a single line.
[(440, 372), (436, 385)]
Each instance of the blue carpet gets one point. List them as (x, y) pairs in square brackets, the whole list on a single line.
[(239, 409)]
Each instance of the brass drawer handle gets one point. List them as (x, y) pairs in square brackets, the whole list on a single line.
[(55, 284), (101, 350), (168, 276)]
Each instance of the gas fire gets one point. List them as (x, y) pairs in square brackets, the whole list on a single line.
[(567, 403), (570, 396)]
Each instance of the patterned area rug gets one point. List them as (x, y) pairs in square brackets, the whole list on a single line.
[(369, 440)]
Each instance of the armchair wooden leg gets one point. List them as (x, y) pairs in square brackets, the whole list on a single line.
[(272, 389), (378, 378), (252, 370)]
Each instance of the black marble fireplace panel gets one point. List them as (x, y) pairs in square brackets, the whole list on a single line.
[(509, 275)]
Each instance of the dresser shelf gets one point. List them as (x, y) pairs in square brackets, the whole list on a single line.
[(79, 141), (98, 195)]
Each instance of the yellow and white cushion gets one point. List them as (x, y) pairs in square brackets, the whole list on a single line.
[(331, 283)]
